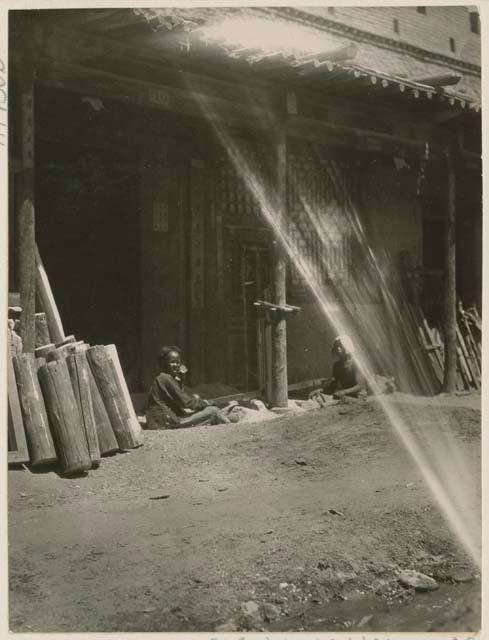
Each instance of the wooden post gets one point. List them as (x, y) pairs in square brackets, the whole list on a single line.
[(26, 217), (68, 432), (279, 270), (450, 373), (38, 435)]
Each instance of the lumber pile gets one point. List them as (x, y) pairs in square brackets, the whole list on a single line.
[(68, 402), (469, 366)]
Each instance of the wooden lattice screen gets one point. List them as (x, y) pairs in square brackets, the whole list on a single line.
[(318, 223)]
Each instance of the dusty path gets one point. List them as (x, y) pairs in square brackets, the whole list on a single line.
[(248, 510)]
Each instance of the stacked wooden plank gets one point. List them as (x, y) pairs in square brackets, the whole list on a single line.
[(68, 403), (468, 349)]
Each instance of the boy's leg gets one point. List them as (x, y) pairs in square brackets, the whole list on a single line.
[(209, 415)]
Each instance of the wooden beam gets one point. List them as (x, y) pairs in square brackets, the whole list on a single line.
[(450, 372), (361, 139), (112, 86)]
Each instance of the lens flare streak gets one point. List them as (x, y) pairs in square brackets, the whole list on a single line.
[(452, 495)]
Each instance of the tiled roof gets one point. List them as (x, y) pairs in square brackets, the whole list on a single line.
[(311, 59)]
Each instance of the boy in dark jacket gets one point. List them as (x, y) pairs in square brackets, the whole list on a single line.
[(170, 406)]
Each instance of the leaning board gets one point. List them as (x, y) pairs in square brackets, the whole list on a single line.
[(17, 445)]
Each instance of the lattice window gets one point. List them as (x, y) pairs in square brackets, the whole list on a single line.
[(318, 225), (239, 187)]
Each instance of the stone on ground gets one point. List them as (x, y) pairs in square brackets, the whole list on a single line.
[(418, 581)]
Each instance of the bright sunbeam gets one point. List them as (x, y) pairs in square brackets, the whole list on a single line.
[(441, 463)]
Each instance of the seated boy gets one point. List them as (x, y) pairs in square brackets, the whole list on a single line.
[(169, 405), (347, 380)]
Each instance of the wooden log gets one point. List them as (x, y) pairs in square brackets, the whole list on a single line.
[(78, 368), (39, 362), (114, 356), (66, 424), (43, 352), (106, 437), (18, 452), (105, 434), (47, 302), (38, 435), (42, 331), (105, 375)]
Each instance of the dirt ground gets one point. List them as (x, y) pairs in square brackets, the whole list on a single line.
[(253, 526)]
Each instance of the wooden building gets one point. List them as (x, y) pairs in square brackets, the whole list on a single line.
[(177, 171)]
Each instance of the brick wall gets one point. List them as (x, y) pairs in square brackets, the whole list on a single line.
[(431, 30)]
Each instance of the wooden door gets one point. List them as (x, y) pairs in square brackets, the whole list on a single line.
[(248, 276)]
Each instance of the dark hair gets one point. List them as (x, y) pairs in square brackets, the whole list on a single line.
[(165, 352)]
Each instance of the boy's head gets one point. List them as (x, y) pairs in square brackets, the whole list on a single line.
[(343, 346), (170, 360)]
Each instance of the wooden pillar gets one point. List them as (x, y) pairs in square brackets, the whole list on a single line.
[(26, 217), (279, 270), (450, 373)]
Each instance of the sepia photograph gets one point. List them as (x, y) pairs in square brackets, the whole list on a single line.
[(243, 358)]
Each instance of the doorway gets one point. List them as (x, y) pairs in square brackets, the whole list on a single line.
[(88, 233)]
